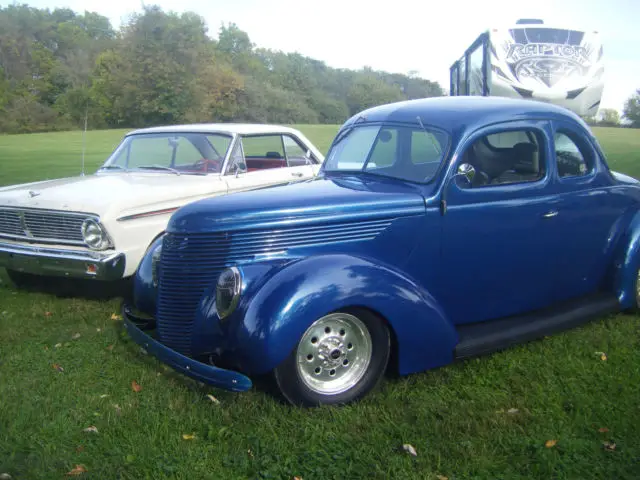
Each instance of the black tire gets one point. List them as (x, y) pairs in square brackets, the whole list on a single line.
[(295, 383), (635, 309)]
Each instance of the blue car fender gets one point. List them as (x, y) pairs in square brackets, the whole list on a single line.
[(627, 263), (144, 292), (276, 314)]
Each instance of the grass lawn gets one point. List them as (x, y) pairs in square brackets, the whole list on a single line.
[(66, 365)]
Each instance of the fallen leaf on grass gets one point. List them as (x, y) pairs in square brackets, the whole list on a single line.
[(77, 470), (250, 453), (110, 347), (602, 355), (213, 399), (115, 317), (91, 429), (442, 477), (76, 336), (47, 314), (98, 330), (550, 443), (79, 448), (58, 367), (297, 478), (104, 395), (410, 449), (57, 345), (513, 411), (135, 386), (187, 436), (603, 430)]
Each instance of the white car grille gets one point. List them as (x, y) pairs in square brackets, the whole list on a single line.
[(38, 225)]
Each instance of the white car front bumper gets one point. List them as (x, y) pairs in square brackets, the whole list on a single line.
[(75, 263)]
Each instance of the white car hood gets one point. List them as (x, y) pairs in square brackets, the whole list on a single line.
[(112, 194)]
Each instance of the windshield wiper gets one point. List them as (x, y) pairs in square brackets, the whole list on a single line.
[(110, 167), (159, 167)]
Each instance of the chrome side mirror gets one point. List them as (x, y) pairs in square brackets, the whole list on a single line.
[(467, 171)]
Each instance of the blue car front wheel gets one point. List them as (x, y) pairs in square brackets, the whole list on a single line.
[(339, 358)]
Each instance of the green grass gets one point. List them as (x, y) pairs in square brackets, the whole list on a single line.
[(456, 417)]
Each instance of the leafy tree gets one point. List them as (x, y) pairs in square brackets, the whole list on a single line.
[(369, 90), (159, 68), (153, 69), (609, 117), (216, 94), (632, 109)]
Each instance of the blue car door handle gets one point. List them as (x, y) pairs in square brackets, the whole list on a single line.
[(550, 214)]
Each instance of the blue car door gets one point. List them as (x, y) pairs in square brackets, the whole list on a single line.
[(583, 225), (497, 257)]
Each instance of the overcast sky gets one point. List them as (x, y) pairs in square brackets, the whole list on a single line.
[(400, 36)]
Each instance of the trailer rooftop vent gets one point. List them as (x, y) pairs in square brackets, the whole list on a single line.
[(529, 21)]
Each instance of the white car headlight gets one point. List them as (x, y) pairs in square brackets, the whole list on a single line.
[(228, 290), (94, 235)]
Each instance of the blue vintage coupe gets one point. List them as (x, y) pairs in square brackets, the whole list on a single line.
[(438, 229)]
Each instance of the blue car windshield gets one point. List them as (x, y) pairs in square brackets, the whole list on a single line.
[(407, 153)]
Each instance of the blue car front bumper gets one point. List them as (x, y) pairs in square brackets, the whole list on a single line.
[(209, 374)]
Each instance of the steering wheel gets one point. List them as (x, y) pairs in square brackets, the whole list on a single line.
[(204, 164)]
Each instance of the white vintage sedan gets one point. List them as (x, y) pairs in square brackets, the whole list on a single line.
[(100, 225)]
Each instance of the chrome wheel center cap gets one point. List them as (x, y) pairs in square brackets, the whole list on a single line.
[(331, 351)]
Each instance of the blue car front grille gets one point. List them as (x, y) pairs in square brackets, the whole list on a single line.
[(191, 263)]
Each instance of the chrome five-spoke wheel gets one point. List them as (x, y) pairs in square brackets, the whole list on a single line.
[(339, 358)]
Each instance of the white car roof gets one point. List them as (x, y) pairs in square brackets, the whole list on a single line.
[(230, 128)]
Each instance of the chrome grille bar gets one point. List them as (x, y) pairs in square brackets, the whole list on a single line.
[(41, 225)]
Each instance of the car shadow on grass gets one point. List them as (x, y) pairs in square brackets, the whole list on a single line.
[(63, 287)]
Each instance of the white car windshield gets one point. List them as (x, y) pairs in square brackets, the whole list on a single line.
[(403, 152), (189, 153)]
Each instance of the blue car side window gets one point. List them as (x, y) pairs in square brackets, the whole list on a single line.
[(572, 159), (505, 157)]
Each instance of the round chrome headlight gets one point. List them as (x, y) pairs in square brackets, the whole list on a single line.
[(228, 290), (94, 235)]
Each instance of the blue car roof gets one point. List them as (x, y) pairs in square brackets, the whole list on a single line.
[(450, 113)]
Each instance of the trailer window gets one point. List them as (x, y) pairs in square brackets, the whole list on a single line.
[(462, 84), (475, 71), (547, 35)]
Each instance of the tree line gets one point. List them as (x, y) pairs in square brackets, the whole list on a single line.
[(610, 117), (56, 66)]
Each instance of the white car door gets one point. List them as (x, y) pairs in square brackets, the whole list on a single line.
[(266, 160)]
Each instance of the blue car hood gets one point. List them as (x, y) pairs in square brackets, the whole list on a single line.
[(320, 199)]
